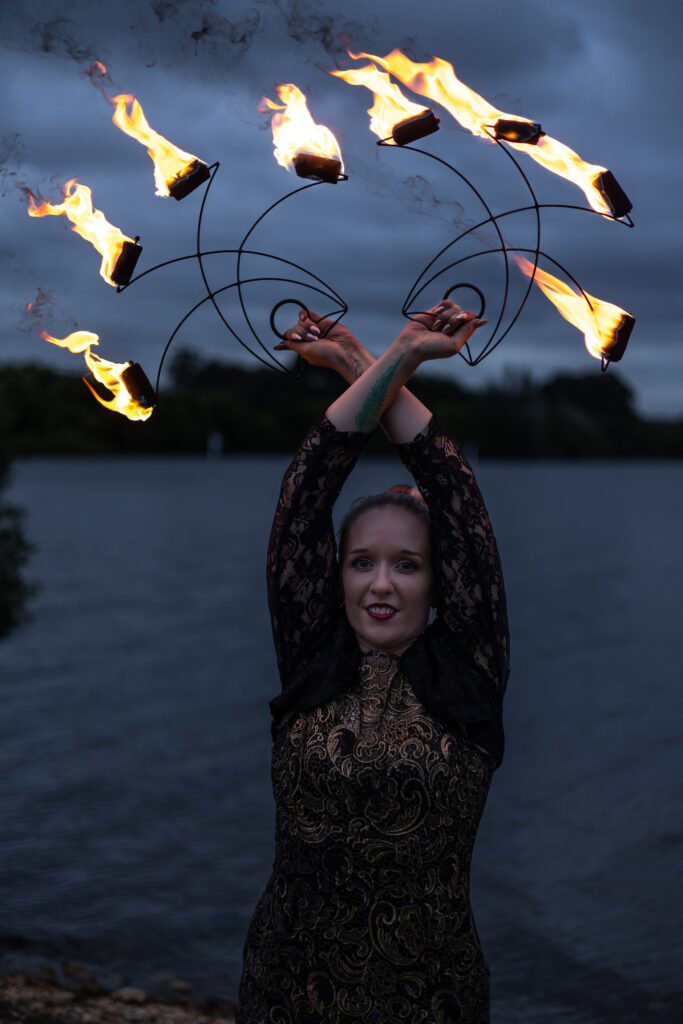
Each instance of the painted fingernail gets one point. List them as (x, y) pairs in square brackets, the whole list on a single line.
[(313, 329), (437, 325), (279, 348), (310, 337), (461, 316), (439, 309)]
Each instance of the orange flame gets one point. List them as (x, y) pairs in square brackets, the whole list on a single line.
[(599, 321), (108, 374), (390, 105), (79, 341), (170, 163), (88, 223), (438, 81), (295, 131)]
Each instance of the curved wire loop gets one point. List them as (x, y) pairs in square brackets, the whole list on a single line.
[(498, 331), (315, 284), (424, 279)]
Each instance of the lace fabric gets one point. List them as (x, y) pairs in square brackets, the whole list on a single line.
[(458, 668), (381, 764), (366, 918)]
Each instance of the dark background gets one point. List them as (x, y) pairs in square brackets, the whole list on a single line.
[(603, 78)]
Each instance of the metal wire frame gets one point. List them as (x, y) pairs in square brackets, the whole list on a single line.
[(326, 290), (422, 282)]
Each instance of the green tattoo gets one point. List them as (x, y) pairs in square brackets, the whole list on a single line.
[(368, 414)]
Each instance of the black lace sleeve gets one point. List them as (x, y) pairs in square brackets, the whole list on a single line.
[(469, 579), (303, 586)]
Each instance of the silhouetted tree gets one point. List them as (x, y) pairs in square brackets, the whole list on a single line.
[(14, 552)]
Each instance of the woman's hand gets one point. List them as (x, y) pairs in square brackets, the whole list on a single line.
[(440, 332), (323, 342)]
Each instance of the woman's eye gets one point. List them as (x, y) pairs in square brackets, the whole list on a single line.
[(407, 566), (361, 563)]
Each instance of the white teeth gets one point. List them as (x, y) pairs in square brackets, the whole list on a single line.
[(381, 609)]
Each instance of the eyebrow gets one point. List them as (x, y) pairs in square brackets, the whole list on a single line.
[(403, 551)]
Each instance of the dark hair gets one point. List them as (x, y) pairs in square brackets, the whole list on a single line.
[(399, 496)]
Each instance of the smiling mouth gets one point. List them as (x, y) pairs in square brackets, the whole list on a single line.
[(381, 611)]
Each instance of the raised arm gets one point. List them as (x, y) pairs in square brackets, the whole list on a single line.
[(382, 397), (302, 568), (469, 579)]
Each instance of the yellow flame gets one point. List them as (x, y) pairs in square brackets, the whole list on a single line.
[(170, 163), (390, 105), (87, 222), (295, 131), (79, 341), (109, 374), (438, 81), (598, 324)]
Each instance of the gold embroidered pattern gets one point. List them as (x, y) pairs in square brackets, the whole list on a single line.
[(366, 917)]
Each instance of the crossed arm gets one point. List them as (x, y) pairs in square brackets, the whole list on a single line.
[(377, 387)]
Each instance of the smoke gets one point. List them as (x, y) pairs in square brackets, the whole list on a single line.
[(11, 159), (56, 37), (192, 37), (306, 23), (36, 313)]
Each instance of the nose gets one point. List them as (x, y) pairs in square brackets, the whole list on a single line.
[(381, 581)]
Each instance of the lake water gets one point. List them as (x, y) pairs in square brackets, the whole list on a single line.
[(136, 814)]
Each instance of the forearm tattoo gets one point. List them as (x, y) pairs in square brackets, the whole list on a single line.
[(357, 368), (368, 414)]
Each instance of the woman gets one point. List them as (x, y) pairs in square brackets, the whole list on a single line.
[(388, 729)]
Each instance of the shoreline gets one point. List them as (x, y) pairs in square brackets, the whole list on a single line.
[(73, 995)]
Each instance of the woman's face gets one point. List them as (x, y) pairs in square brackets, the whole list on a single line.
[(387, 578)]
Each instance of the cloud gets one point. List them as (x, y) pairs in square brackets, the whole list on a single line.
[(597, 77)]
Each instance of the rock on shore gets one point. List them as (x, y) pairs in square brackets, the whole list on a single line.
[(42, 1000)]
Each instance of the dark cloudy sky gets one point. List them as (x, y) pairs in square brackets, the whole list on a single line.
[(603, 77)]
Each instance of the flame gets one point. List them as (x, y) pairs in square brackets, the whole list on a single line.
[(79, 341), (170, 163), (295, 131), (88, 223), (598, 324), (108, 374), (390, 105), (438, 81)]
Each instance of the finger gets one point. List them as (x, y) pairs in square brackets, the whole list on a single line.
[(443, 304), (454, 315)]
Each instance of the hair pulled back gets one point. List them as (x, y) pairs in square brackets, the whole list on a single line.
[(399, 496)]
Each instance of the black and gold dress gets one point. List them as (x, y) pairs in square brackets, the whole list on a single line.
[(381, 764)]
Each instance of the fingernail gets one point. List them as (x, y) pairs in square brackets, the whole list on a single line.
[(313, 329), (436, 325), (439, 309), (479, 323), (461, 316), (279, 348), (310, 337)]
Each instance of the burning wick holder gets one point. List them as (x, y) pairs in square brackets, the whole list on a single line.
[(195, 175), (136, 383), (613, 193), (138, 386), (126, 262), (410, 129), (318, 168), (619, 340), (522, 132)]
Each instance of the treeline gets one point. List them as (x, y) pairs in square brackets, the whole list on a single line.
[(47, 413)]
